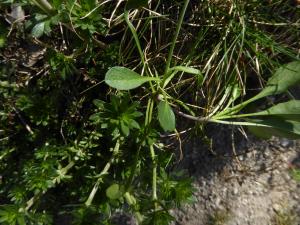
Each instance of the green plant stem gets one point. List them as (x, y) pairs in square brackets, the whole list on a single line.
[(235, 109), (195, 118), (149, 115), (238, 123), (213, 120), (135, 36), (44, 5), (132, 202), (149, 112), (171, 51), (102, 173), (237, 116), (154, 175)]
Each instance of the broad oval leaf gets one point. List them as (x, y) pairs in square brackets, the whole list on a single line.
[(288, 110), (166, 116), (38, 30), (113, 192), (284, 78), (123, 78)]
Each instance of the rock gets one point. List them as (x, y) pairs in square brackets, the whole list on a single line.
[(277, 208), (17, 14), (235, 191), (218, 202), (286, 176), (285, 143), (241, 157)]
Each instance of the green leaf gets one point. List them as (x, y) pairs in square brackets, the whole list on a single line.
[(296, 174), (186, 69), (288, 110), (134, 124), (166, 116), (276, 127), (113, 192), (122, 78), (284, 78), (135, 4), (21, 220), (2, 41), (99, 103), (173, 71), (38, 30), (124, 128)]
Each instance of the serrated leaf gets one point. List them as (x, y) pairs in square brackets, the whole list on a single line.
[(166, 116), (135, 4), (122, 78), (38, 30), (113, 192), (284, 78), (288, 110)]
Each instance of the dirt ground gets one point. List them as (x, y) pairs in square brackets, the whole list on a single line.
[(241, 180)]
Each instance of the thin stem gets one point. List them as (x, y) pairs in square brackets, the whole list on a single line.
[(44, 5), (213, 120), (103, 172), (235, 109), (132, 202), (135, 36), (238, 123), (154, 174), (170, 55), (195, 118)]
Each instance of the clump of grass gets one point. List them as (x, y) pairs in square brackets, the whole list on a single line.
[(219, 217), (295, 173), (284, 218)]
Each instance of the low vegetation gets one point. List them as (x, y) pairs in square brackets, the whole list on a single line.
[(91, 92)]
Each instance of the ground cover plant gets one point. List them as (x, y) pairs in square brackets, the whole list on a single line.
[(91, 92)]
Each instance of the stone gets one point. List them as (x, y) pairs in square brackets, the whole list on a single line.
[(235, 191), (285, 143), (276, 208)]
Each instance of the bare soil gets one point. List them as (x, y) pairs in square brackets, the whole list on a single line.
[(241, 180)]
